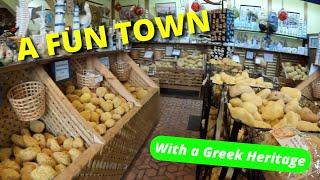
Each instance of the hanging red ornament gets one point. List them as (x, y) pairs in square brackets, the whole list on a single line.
[(283, 14), (196, 6), (118, 7), (138, 10)]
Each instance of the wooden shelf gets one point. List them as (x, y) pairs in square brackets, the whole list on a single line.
[(269, 51), (27, 64), (282, 35)]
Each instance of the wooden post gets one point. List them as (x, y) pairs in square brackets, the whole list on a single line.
[(113, 3), (269, 5), (146, 4), (306, 11)]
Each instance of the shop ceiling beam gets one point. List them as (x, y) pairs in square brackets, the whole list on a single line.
[(10, 5)]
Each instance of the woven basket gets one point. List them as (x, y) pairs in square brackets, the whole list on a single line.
[(316, 89), (89, 78), (28, 100), (158, 55), (135, 54), (122, 70)]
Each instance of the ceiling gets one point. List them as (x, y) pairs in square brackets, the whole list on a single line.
[(313, 1)]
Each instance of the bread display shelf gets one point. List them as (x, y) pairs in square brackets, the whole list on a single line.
[(122, 141), (173, 77), (58, 117), (106, 156)]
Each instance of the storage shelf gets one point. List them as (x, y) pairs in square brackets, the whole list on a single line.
[(283, 35), (269, 51), (26, 64)]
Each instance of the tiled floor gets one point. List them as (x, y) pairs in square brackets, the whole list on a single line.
[(174, 119)]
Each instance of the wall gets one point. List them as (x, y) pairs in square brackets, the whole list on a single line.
[(289, 5)]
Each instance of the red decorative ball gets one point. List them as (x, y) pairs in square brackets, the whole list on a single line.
[(138, 10), (196, 6), (118, 7), (282, 14)]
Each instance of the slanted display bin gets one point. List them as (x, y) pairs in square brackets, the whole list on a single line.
[(59, 118), (123, 141)]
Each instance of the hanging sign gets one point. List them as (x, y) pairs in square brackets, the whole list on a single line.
[(61, 70)]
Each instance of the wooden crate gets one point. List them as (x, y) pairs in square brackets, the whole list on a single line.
[(59, 119), (306, 85), (124, 140)]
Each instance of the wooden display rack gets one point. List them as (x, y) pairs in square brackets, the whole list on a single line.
[(175, 77), (106, 157), (123, 141), (59, 118)]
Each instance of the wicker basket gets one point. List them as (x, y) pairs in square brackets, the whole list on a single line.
[(316, 88), (135, 54), (158, 55), (121, 69), (89, 78), (28, 100)]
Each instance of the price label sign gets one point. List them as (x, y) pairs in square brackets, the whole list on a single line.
[(105, 61), (148, 55), (99, 79), (61, 70), (169, 50), (176, 52), (249, 55), (268, 57), (236, 58)]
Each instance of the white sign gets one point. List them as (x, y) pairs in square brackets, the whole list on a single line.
[(62, 71), (99, 79), (105, 61), (318, 51), (313, 69), (236, 58), (268, 57), (258, 60), (148, 55), (176, 52), (169, 50)]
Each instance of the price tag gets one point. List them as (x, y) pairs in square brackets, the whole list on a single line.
[(236, 58), (318, 51), (249, 55), (99, 79), (176, 52), (61, 70), (313, 69), (148, 55), (169, 50), (258, 60), (268, 57), (105, 61), (286, 137)]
